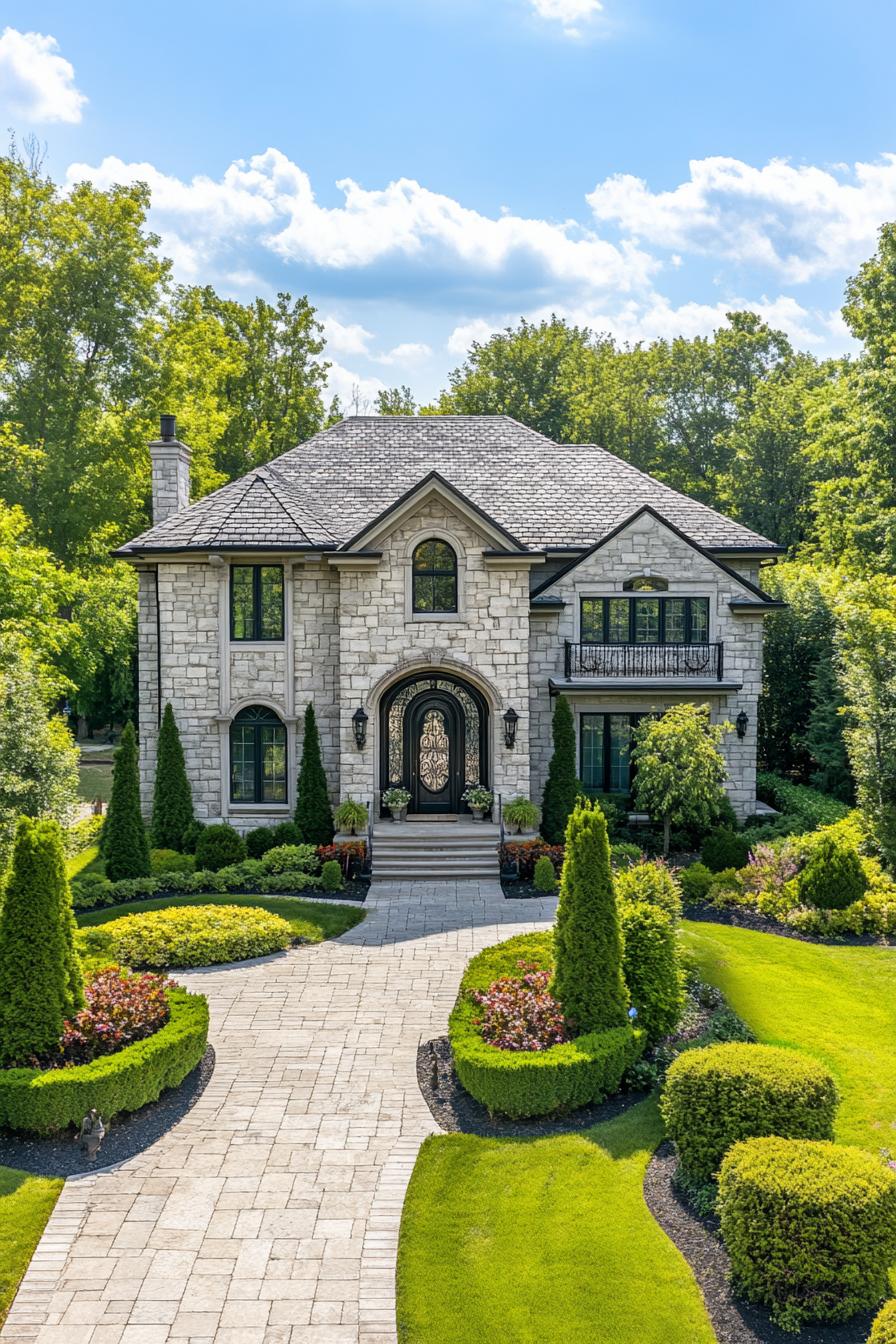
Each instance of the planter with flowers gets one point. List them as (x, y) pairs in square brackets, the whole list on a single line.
[(396, 800), (478, 799)]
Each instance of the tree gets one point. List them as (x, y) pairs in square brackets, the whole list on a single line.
[(679, 770), (172, 805), (314, 815), (40, 977), (562, 786), (125, 846), (587, 940), (396, 401)]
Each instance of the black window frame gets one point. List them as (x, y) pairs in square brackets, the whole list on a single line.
[(431, 574), (265, 717), (257, 636), (634, 718), (632, 599)]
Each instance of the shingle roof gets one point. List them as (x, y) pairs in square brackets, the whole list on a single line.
[(328, 489)]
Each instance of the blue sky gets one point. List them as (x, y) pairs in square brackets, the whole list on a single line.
[(429, 170)]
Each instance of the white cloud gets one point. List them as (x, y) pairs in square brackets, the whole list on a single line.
[(356, 393), (568, 13), (799, 221), (463, 336), (346, 339), (35, 81), (409, 352)]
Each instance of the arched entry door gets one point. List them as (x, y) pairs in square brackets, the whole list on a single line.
[(434, 736)]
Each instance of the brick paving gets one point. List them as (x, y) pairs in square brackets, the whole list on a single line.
[(270, 1213)]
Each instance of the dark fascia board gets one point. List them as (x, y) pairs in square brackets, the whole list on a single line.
[(771, 605), (131, 552), (547, 603), (746, 552), (620, 527), (672, 686), (432, 477)]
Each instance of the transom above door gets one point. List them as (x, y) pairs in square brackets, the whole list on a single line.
[(434, 742)]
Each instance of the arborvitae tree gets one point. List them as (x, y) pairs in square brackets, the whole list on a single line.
[(588, 977), (562, 786), (172, 804), (314, 816), (125, 846), (40, 975)]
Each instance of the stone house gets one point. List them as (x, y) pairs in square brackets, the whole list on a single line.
[(430, 584)]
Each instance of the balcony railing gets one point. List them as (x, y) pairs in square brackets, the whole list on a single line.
[(644, 660)]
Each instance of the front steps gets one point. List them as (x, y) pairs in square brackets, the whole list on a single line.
[(435, 851)]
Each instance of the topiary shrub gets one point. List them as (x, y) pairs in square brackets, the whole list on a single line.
[(810, 1227), (331, 876), (291, 859), (652, 882), (544, 878), (170, 861), (259, 841), (651, 967), (191, 836), (833, 877), (314, 816), (883, 1331), (125, 846), (218, 846), (724, 848), (695, 881), (719, 1095), (195, 935), (172, 805), (562, 786)]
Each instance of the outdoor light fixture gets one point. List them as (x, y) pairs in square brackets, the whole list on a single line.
[(741, 723), (511, 718), (359, 724)]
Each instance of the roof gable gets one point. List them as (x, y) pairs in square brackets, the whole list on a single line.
[(432, 484)]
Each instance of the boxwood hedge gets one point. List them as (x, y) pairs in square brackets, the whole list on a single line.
[(810, 1227), (40, 1101), (723, 1093), (189, 935), (521, 1083)]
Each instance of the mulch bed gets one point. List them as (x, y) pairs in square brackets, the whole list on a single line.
[(734, 1321), (751, 919), (524, 891), (127, 1136), (455, 1111)]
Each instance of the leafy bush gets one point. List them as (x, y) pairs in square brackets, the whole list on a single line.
[(724, 848), (727, 889), (39, 1101), (544, 877), (717, 1096), (291, 859), (90, 891), (833, 877), (170, 861), (883, 1331), (191, 836), (810, 1227), (519, 812), (259, 841), (651, 967), (623, 855), (120, 1009), (331, 876), (806, 807), (280, 884), (652, 882), (172, 806), (198, 935), (519, 1012), (83, 834), (696, 881), (351, 817), (526, 853), (218, 846), (125, 846)]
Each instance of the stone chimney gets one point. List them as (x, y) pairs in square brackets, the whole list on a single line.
[(170, 472)]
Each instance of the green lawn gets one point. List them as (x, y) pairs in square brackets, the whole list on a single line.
[(527, 1241), (87, 861), (837, 1003), (95, 781), (26, 1203), (314, 920)]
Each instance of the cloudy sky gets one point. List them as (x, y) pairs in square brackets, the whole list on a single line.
[(429, 170)]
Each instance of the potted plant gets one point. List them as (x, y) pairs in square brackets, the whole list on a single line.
[(478, 799), (351, 817), (520, 815), (396, 799)]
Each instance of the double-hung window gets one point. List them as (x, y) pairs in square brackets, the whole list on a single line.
[(645, 620), (256, 602)]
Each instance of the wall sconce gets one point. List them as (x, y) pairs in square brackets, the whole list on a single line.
[(359, 725), (741, 723), (511, 719)]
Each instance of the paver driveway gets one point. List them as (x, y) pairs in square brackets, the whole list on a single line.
[(270, 1214)]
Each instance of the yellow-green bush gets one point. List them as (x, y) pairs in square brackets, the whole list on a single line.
[(652, 882), (170, 861), (883, 1331), (651, 967), (197, 935)]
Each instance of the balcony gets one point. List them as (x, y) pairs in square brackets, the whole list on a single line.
[(659, 662)]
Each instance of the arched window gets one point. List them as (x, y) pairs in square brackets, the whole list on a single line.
[(434, 577), (257, 757), (645, 583)]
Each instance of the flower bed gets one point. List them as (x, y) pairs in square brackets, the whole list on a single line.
[(197, 935), (120, 1009)]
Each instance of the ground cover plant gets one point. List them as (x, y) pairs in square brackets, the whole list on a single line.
[(309, 921), (201, 935)]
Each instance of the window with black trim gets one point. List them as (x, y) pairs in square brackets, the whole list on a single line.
[(605, 742), (644, 620), (256, 602), (257, 757), (434, 577)]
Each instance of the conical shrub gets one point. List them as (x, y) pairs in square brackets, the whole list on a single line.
[(314, 815), (562, 786), (40, 975), (125, 845), (172, 804)]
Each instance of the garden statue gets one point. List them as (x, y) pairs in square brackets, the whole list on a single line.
[(92, 1133)]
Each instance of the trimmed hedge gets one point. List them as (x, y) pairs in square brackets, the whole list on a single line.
[(40, 1101), (807, 807), (650, 964), (719, 1095), (810, 1227), (218, 846), (521, 1083), (883, 1331), (189, 935), (652, 882)]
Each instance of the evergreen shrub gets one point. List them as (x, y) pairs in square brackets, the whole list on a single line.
[(833, 877), (291, 859), (314, 815), (883, 1331), (194, 935), (724, 848), (191, 836), (652, 882), (562, 786), (125, 846), (695, 881), (544, 877), (172, 807), (651, 967), (331, 876), (170, 861), (218, 846)]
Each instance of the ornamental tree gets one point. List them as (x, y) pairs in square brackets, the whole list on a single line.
[(679, 768), (314, 815), (172, 804), (562, 786), (40, 975), (125, 847), (588, 977)]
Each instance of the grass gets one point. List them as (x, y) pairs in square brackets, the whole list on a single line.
[(312, 920), (26, 1203), (95, 781), (836, 1003), (547, 1239), (88, 861)]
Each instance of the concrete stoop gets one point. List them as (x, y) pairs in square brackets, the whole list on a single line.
[(434, 851)]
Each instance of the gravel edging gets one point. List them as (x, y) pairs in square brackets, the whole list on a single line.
[(734, 1321), (751, 919), (127, 1135), (456, 1112)]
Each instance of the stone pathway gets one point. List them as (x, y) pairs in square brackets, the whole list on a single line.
[(270, 1214)]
